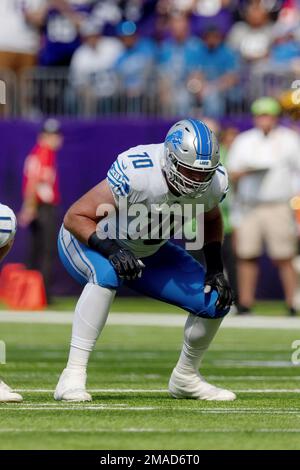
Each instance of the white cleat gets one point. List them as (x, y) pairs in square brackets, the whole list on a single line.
[(194, 386), (71, 386), (7, 395)]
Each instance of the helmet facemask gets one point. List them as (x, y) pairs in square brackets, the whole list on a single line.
[(181, 183)]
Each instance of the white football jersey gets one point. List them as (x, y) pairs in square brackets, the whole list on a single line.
[(139, 187)]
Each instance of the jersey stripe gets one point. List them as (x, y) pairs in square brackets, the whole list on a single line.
[(121, 170), (116, 186), (114, 180), (121, 184)]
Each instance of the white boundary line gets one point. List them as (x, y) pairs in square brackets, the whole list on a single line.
[(150, 319), (223, 406), (119, 408)]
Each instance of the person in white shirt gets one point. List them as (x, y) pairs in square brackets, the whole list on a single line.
[(19, 39), (252, 38), (264, 163), (92, 63)]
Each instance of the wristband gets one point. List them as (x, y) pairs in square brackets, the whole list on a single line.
[(105, 247), (213, 257)]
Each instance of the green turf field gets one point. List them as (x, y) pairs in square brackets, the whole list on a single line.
[(131, 408)]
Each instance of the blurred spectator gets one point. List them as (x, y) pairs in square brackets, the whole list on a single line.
[(289, 15), (178, 58), (285, 49), (263, 163), (218, 67), (41, 198), (252, 38), (165, 10), (60, 22), (19, 39), (135, 66), (92, 63)]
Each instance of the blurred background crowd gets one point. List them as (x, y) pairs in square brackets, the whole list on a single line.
[(155, 57), (117, 73)]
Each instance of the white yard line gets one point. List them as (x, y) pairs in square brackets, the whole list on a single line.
[(160, 390), (254, 378), (148, 430), (150, 319), (103, 407), (269, 390), (244, 364)]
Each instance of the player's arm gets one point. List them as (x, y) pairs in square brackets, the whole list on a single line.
[(82, 219), (213, 239), (213, 226)]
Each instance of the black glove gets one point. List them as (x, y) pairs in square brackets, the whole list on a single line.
[(126, 264), (219, 282)]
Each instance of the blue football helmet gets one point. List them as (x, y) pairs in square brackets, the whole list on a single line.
[(191, 144)]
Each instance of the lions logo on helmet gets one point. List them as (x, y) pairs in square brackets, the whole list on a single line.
[(191, 144)]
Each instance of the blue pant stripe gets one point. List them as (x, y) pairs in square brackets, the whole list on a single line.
[(85, 261), (69, 256), (77, 273)]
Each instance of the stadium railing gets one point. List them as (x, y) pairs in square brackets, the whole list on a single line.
[(265, 80), (50, 91)]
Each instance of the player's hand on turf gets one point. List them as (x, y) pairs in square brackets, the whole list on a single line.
[(127, 265), (219, 282)]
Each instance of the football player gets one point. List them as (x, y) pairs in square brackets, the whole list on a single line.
[(7, 233), (185, 169)]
